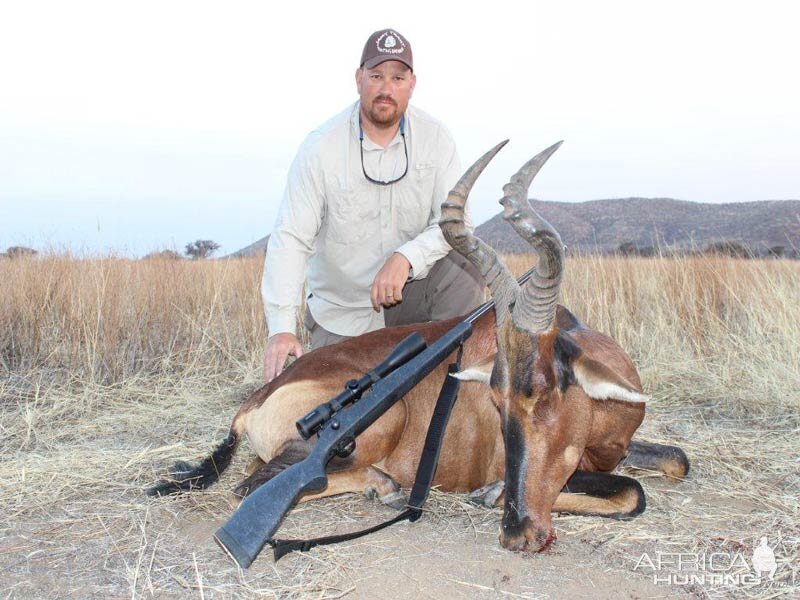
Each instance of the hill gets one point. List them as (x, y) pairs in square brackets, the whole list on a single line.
[(603, 225), (257, 247)]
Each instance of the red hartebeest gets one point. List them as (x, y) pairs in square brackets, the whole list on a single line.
[(547, 409)]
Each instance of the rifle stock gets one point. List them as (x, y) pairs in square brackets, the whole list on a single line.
[(260, 514)]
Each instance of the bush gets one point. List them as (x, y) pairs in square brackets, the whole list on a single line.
[(20, 252), (201, 249), (728, 248), (163, 255)]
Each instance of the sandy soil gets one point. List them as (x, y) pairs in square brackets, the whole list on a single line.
[(76, 523)]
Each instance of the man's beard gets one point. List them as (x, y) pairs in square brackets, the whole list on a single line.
[(379, 114)]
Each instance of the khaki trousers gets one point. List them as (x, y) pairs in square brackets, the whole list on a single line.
[(452, 288)]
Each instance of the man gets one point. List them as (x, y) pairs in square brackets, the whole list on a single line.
[(360, 214)]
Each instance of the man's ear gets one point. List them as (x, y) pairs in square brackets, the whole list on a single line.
[(359, 77), (601, 383), (413, 84), (480, 371)]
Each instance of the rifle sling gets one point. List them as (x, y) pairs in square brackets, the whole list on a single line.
[(422, 483)]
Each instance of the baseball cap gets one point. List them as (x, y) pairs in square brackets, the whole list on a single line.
[(384, 45)]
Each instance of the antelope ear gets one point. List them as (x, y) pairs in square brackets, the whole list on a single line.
[(601, 383), (480, 371)]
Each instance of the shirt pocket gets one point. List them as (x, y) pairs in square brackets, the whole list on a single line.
[(350, 216), (416, 201)]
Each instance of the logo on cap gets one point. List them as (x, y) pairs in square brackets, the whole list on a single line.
[(387, 43)]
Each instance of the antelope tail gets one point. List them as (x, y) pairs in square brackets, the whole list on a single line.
[(185, 477)]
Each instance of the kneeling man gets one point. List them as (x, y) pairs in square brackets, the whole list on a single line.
[(359, 218)]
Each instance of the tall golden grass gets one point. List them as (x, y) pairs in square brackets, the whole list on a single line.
[(708, 326), (111, 369), (104, 320)]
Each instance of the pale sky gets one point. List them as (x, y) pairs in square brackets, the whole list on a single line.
[(143, 125)]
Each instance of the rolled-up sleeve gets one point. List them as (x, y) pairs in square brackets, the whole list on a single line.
[(430, 246), (292, 241)]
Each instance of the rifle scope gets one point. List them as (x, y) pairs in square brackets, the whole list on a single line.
[(400, 355)]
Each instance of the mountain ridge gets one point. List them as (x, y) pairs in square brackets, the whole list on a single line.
[(604, 225)]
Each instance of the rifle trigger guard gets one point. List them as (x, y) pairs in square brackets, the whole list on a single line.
[(345, 448)]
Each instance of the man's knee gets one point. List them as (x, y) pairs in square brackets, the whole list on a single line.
[(456, 287), (452, 288)]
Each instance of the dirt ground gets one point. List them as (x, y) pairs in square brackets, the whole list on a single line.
[(76, 523)]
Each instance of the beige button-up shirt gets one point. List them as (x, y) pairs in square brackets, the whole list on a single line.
[(337, 228)]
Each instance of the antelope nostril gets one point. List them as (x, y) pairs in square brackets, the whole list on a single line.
[(514, 526), (515, 543)]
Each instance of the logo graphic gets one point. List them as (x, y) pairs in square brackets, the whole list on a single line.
[(388, 43), (715, 569), (764, 560)]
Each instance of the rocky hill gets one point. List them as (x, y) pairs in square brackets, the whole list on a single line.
[(258, 247), (605, 225), (646, 223)]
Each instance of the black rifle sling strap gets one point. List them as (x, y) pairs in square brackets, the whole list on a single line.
[(422, 483), (433, 440)]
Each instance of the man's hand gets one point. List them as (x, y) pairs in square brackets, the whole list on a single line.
[(387, 287), (279, 347)]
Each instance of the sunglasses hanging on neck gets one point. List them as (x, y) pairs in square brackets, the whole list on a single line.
[(405, 150)]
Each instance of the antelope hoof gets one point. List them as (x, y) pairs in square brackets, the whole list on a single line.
[(395, 500), (487, 495), (387, 491)]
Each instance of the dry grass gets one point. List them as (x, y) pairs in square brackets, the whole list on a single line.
[(106, 320), (111, 369)]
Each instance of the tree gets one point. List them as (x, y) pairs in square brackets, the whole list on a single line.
[(777, 252), (631, 249), (729, 248), (201, 249), (163, 255), (20, 252)]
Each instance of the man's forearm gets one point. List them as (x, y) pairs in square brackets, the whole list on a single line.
[(282, 287), (424, 250)]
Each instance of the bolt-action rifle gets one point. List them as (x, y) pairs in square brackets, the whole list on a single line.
[(260, 513)]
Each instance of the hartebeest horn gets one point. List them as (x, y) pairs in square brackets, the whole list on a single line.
[(536, 307), (503, 287)]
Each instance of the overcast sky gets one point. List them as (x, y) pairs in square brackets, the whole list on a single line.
[(143, 125)]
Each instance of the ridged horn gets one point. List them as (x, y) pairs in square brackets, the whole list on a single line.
[(536, 308), (501, 284)]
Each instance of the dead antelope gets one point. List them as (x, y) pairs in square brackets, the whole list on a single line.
[(547, 409)]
